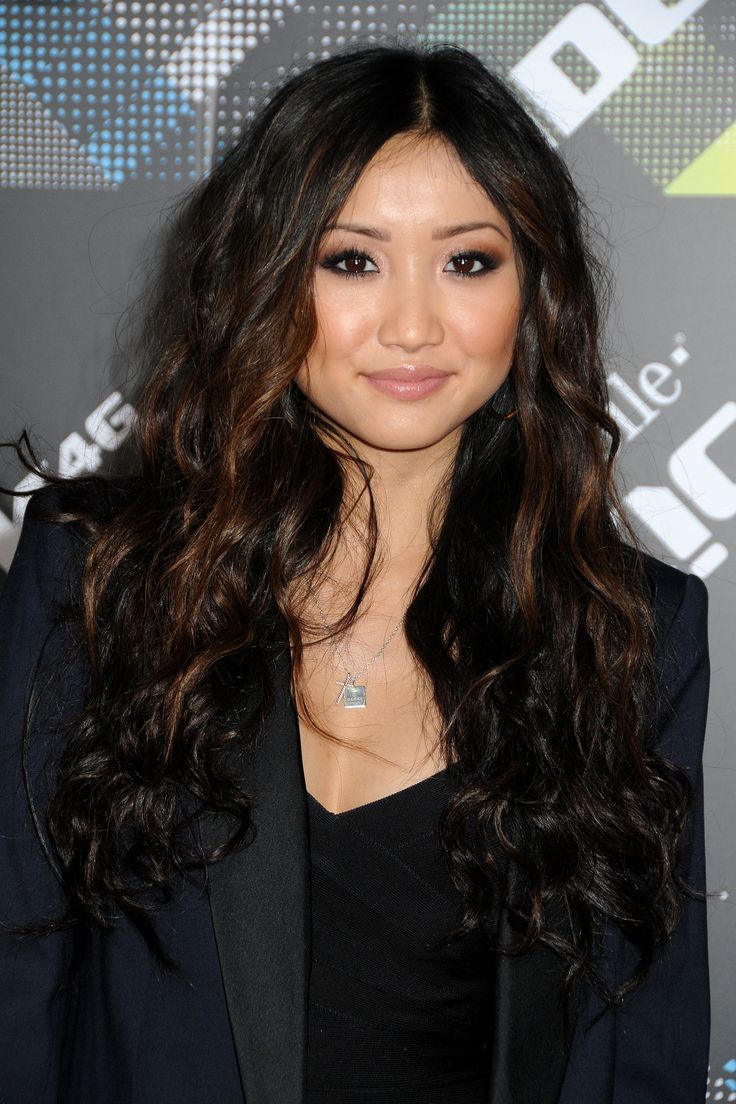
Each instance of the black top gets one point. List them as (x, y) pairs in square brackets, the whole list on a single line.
[(397, 1014)]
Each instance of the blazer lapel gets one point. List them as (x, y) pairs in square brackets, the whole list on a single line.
[(259, 898), (533, 1024)]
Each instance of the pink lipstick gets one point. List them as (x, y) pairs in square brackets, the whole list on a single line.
[(408, 381)]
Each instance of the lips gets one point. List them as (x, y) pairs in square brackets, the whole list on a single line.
[(409, 373), (408, 389)]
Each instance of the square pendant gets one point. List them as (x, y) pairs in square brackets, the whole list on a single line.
[(354, 697)]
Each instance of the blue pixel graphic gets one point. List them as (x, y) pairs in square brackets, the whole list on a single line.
[(730, 1067), (99, 76), (97, 93)]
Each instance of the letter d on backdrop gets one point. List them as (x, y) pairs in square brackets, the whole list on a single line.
[(565, 104)]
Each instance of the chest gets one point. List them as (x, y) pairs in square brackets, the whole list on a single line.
[(379, 749)]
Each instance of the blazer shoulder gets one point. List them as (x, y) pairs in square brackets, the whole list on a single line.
[(680, 707), (51, 548), (679, 600)]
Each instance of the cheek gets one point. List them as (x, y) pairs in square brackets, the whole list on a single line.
[(344, 316), (339, 333), (488, 330)]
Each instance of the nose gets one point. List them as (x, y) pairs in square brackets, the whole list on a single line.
[(410, 317)]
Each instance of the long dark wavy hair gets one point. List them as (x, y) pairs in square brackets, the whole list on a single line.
[(533, 616)]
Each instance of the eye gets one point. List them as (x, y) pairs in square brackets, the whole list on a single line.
[(469, 257), (355, 260), (352, 257)]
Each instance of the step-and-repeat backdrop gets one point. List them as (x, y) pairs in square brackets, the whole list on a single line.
[(108, 110)]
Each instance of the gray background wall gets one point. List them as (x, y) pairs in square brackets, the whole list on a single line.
[(109, 110)]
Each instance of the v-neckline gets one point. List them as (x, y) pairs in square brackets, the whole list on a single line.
[(379, 800)]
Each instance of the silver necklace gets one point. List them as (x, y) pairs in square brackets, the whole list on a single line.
[(353, 694)]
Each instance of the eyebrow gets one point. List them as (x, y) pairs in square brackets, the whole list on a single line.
[(438, 233)]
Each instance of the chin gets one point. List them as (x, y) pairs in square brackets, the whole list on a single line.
[(401, 440)]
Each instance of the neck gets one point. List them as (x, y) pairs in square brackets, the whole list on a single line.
[(404, 485)]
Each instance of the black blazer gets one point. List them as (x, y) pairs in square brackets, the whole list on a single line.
[(231, 1027)]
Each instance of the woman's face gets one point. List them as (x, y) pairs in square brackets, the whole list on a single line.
[(391, 291)]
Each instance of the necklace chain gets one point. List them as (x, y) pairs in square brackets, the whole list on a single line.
[(353, 695)]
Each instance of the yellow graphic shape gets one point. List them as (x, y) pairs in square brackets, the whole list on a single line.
[(713, 172)]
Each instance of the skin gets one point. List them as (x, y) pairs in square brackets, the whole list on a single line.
[(412, 305)]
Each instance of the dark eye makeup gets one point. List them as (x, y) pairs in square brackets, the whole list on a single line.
[(332, 261)]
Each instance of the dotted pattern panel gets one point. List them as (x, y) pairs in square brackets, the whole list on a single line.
[(124, 84), (93, 94), (96, 94), (95, 69), (221, 42), (36, 151), (331, 26), (680, 98), (500, 33), (723, 1088)]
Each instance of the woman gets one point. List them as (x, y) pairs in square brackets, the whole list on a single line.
[(363, 749)]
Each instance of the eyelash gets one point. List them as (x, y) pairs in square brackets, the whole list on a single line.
[(331, 262)]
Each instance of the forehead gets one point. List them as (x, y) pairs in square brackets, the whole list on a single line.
[(420, 179)]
